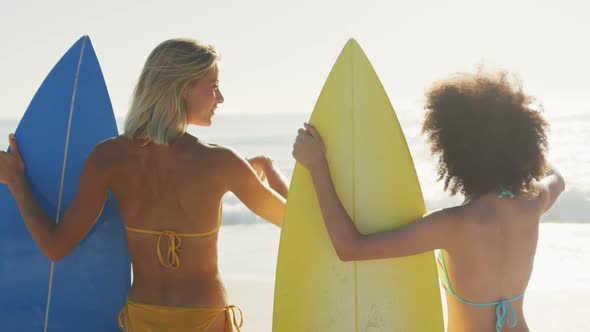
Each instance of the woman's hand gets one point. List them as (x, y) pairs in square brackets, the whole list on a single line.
[(261, 165), (12, 166), (267, 171), (309, 148)]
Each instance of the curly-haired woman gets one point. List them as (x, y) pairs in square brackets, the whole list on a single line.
[(491, 144)]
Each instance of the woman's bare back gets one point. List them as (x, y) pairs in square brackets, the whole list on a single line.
[(179, 188), (491, 259)]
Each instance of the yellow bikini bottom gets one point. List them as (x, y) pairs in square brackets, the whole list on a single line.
[(136, 317)]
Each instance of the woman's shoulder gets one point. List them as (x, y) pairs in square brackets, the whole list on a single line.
[(111, 147), (227, 160), (105, 155), (217, 150)]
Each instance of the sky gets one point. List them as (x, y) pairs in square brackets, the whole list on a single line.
[(277, 54)]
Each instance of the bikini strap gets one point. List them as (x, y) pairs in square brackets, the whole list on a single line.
[(233, 320), (503, 308), (174, 241), (505, 192)]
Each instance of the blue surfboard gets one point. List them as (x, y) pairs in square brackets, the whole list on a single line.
[(70, 113)]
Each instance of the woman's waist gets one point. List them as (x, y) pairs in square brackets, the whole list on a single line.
[(195, 290)]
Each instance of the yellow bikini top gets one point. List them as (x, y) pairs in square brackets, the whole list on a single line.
[(174, 242)]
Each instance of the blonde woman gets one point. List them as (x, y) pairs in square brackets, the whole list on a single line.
[(169, 187)]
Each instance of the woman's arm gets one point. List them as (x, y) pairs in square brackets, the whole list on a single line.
[(267, 170), (57, 240), (243, 181), (427, 233), (552, 185)]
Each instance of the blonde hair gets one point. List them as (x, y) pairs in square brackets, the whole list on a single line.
[(157, 113)]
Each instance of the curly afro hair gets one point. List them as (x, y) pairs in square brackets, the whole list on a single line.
[(486, 132)]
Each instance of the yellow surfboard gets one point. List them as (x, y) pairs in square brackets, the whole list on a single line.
[(376, 181)]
